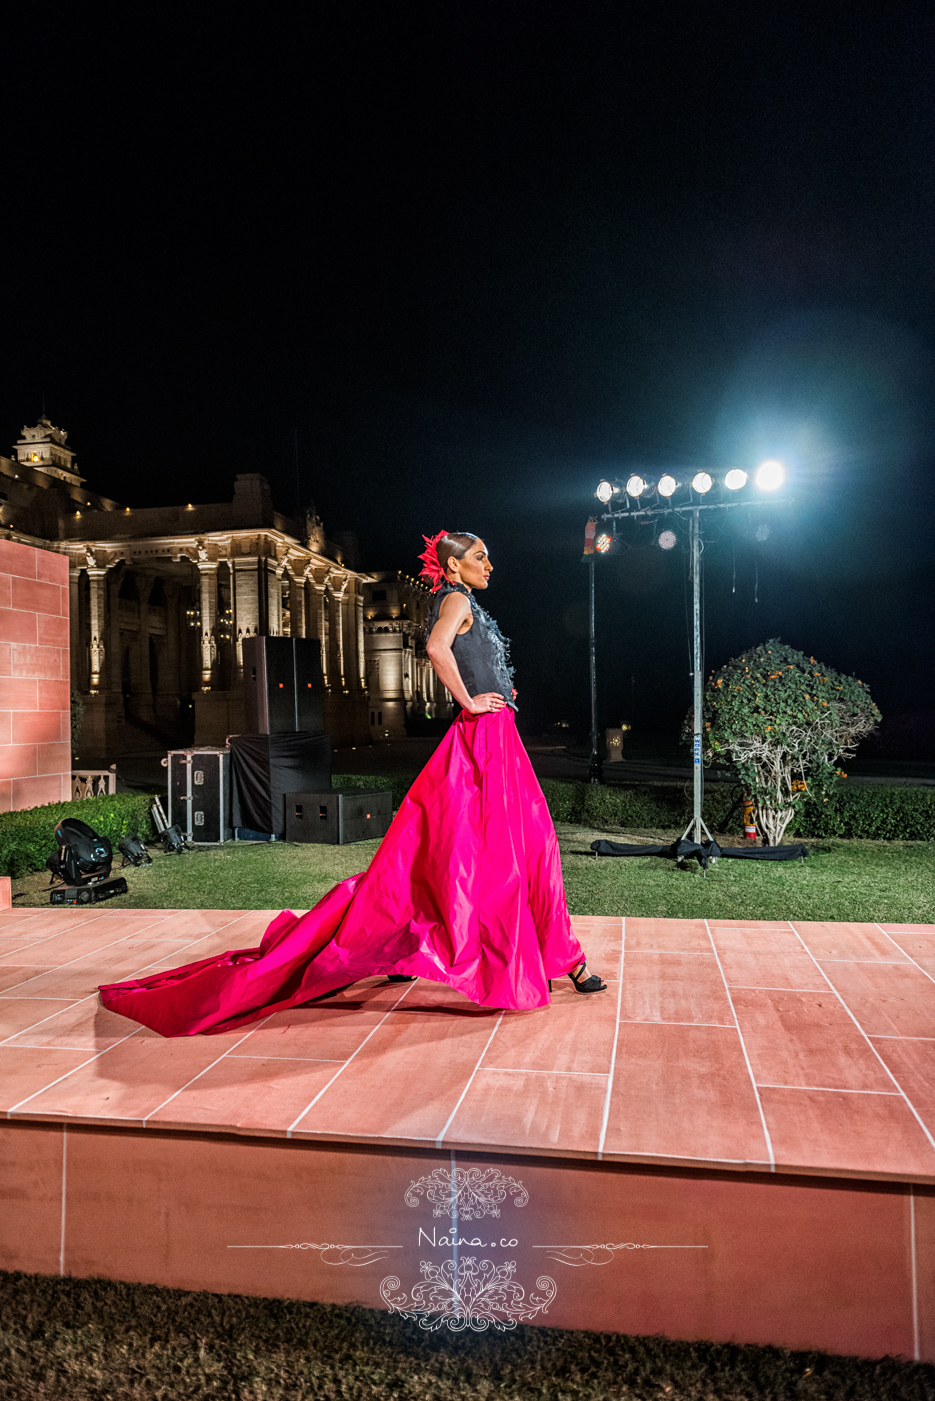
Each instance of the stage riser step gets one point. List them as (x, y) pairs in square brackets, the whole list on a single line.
[(799, 1262)]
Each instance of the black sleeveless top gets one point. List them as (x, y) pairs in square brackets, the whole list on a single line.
[(482, 653)]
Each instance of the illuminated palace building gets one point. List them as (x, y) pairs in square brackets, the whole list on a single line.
[(162, 598)]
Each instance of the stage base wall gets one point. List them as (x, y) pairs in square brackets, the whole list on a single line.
[(798, 1262)]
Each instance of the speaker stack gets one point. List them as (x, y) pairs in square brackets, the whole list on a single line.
[(286, 746)]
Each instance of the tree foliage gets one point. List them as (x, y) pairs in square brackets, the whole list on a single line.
[(784, 721)]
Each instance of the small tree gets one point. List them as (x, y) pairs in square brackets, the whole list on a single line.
[(784, 721)]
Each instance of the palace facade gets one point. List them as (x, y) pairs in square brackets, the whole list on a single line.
[(162, 598)]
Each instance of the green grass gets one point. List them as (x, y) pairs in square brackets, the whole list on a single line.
[(95, 1340), (840, 880)]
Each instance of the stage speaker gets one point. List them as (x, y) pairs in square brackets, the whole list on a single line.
[(265, 767), (200, 794), (338, 815), (282, 684)]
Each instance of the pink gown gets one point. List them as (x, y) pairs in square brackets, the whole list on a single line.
[(465, 889)]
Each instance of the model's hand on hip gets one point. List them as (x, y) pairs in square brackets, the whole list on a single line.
[(487, 703)]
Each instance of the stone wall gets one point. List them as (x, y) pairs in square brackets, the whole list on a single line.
[(35, 735)]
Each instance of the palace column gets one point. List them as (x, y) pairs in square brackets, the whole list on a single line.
[(337, 613), (296, 605), (323, 629), (273, 582), (246, 603), (361, 662), (208, 572), (97, 612)]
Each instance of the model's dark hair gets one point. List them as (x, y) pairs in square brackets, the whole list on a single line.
[(454, 545)]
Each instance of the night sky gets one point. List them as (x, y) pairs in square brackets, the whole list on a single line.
[(473, 257)]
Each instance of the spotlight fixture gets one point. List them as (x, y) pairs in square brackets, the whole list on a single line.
[(602, 544), (701, 482), (605, 491), (770, 475), (735, 479), (667, 485), (667, 540), (635, 485)]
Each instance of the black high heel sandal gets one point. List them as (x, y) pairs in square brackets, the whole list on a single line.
[(590, 984), (401, 978)]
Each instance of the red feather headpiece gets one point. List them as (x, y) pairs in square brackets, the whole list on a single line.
[(432, 569)]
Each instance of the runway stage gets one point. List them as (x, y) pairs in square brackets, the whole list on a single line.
[(736, 1141)]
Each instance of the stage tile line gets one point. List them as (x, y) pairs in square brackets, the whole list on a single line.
[(405, 993), (216, 1061), (828, 1089), (885, 1036), (643, 1021), (69, 1006), (907, 955), (886, 962), (84, 924), (521, 1070), (743, 1047), (103, 1052), (57, 968), (448, 1122), (76, 1002), (61, 1245), (912, 1256), (761, 987), (305, 1060), (912, 1109), (90, 1060), (605, 1116)]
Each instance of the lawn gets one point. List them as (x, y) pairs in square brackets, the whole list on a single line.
[(840, 880), (96, 1340)]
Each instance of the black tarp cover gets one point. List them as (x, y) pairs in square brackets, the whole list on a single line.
[(703, 852), (266, 767)]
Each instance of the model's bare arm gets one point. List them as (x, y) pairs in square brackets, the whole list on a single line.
[(452, 616)]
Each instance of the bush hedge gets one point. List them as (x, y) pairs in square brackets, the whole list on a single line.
[(27, 838), (873, 811)]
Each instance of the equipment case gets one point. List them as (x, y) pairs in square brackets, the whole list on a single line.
[(199, 794)]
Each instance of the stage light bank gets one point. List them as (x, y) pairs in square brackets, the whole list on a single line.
[(667, 486), (605, 491), (635, 485), (770, 475), (602, 544), (735, 479), (702, 482), (667, 540)]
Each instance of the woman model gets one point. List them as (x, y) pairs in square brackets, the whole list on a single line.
[(465, 888)]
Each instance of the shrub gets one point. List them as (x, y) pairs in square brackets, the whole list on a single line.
[(872, 811), (783, 720), (27, 838)]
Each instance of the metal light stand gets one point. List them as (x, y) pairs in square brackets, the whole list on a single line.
[(595, 767), (696, 826)]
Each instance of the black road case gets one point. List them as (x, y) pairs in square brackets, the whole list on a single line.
[(338, 815), (200, 794)]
